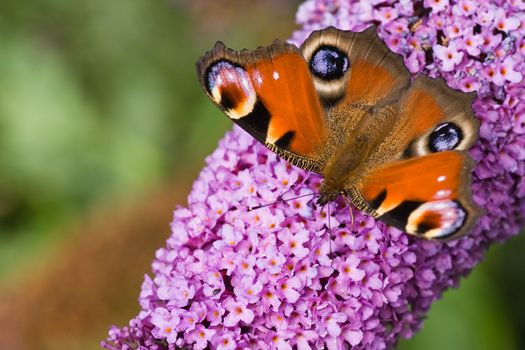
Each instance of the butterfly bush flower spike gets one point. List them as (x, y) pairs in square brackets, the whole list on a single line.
[(277, 277)]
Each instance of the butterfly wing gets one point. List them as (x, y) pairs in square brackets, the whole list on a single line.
[(433, 118), (373, 72), (370, 77), (427, 196), (424, 187), (270, 94)]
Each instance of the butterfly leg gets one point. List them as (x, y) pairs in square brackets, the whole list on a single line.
[(330, 237), (349, 208)]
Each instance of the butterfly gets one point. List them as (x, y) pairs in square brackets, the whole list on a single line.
[(346, 107)]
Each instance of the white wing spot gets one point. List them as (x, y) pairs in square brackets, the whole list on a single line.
[(441, 194)]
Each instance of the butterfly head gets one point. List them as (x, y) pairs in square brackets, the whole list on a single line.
[(327, 193)]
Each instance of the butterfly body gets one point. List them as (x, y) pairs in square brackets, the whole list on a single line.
[(344, 106), (351, 160)]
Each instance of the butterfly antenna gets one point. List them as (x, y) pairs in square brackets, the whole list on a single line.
[(280, 200), (350, 209)]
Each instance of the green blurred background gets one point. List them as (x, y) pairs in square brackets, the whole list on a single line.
[(103, 126)]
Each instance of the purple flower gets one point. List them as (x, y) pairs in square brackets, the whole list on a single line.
[(279, 277), (449, 56), (224, 341), (176, 291), (471, 43), (436, 5), (505, 72), (504, 21), (348, 269), (303, 339), (237, 311), (464, 8), (293, 243), (288, 289), (199, 337), (165, 323)]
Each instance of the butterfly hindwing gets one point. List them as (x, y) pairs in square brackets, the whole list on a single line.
[(435, 117), (270, 94), (428, 196), (422, 172)]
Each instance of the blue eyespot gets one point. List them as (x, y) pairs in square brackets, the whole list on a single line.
[(446, 137), (329, 63)]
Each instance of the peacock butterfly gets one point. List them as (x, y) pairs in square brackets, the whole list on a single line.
[(344, 106)]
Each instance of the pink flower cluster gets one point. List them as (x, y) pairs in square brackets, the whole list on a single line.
[(292, 276)]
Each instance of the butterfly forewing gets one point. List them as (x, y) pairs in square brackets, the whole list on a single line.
[(359, 100), (373, 73), (270, 94)]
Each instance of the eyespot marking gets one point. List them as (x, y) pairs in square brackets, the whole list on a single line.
[(445, 137), (230, 87), (329, 63), (437, 219)]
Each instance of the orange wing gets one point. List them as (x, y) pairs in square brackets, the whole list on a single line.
[(427, 196), (269, 93)]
